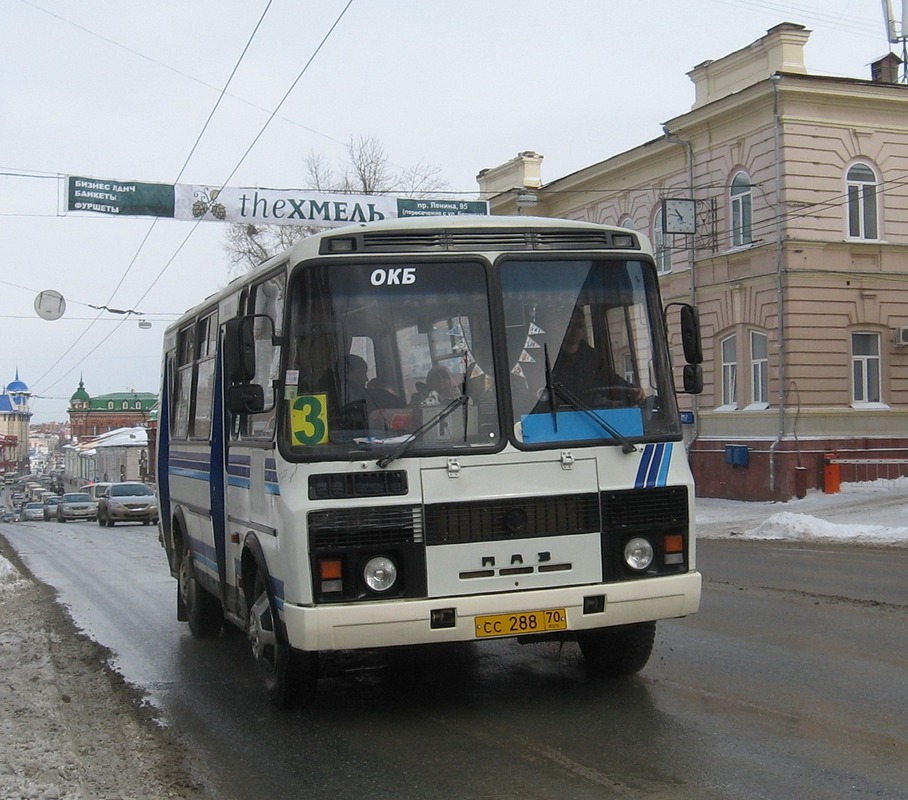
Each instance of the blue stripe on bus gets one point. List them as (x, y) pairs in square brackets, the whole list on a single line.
[(187, 463), (195, 474), (654, 464), (645, 460), (662, 480), (653, 472), (277, 591), (203, 553), (239, 465), (271, 484)]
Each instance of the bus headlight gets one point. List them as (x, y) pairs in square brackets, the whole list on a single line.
[(638, 553), (380, 574)]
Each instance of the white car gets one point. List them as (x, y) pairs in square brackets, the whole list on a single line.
[(32, 512), (127, 501), (76, 505)]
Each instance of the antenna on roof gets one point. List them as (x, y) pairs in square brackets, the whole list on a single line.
[(897, 31)]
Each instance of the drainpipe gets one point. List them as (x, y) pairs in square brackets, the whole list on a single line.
[(671, 137), (780, 286)]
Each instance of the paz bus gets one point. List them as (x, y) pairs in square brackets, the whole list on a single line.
[(371, 440)]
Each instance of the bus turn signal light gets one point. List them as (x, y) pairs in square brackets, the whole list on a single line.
[(331, 575), (674, 549)]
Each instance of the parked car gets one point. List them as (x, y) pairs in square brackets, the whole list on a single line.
[(76, 505), (50, 506), (32, 511), (127, 501)]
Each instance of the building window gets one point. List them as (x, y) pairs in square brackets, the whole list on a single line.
[(865, 367), (628, 223), (862, 210), (729, 371), (661, 249), (759, 367), (741, 210)]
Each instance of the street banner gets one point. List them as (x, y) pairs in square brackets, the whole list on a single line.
[(255, 206), (126, 198)]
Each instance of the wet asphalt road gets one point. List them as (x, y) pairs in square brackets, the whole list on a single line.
[(791, 682)]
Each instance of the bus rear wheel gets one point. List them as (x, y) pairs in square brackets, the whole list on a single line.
[(201, 610), (290, 676), (618, 651)]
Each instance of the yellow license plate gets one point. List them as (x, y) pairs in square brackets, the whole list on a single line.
[(521, 623)]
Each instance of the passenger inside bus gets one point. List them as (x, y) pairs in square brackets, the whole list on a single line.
[(358, 397), (440, 387), (585, 373)]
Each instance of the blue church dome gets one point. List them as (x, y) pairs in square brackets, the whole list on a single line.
[(17, 386)]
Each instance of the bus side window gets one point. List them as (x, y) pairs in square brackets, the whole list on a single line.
[(267, 300)]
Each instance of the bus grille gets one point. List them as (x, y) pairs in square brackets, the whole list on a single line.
[(380, 526), (523, 518), (472, 240), (641, 508)]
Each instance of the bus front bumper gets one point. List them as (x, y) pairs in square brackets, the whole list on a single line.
[(405, 622)]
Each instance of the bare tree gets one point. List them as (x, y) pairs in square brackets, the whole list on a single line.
[(367, 171)]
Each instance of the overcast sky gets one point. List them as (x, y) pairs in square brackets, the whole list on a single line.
[(121, 90)]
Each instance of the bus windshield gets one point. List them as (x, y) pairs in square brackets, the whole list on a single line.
[(586, 351), (376, 353)]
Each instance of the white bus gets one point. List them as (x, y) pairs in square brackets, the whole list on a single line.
[(431, 430)]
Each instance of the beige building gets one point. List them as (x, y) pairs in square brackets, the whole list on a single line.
[(797, 263), (15, 416)]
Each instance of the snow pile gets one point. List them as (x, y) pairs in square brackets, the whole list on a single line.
[(9, 575), (873, 513), (806, 528)]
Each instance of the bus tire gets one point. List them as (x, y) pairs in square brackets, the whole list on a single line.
[(290, 676), (618, 651), (201, 609)]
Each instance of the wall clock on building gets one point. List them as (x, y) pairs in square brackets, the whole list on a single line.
[(679, 215)]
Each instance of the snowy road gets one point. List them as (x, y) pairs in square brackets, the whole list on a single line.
[(792, 681)]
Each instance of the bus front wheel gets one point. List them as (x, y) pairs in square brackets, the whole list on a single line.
[(201, 610), (618, 651), (290, 676)]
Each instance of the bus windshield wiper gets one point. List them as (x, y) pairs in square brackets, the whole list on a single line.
[(402, 448), (627, 446)]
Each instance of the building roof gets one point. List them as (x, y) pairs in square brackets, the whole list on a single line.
[(80, 394), (17, 386), (119, 437)]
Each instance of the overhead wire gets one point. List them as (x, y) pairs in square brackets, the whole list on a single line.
[(239, 163), (152, 226), (831, 18)]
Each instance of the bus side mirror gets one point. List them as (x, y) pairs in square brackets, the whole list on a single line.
[(239, 350), (245, 398), (690, 335), (693, 378)]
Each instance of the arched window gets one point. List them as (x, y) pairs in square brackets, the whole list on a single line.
[(862, 211), (741, 210), (661, 249), (628, 223)]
